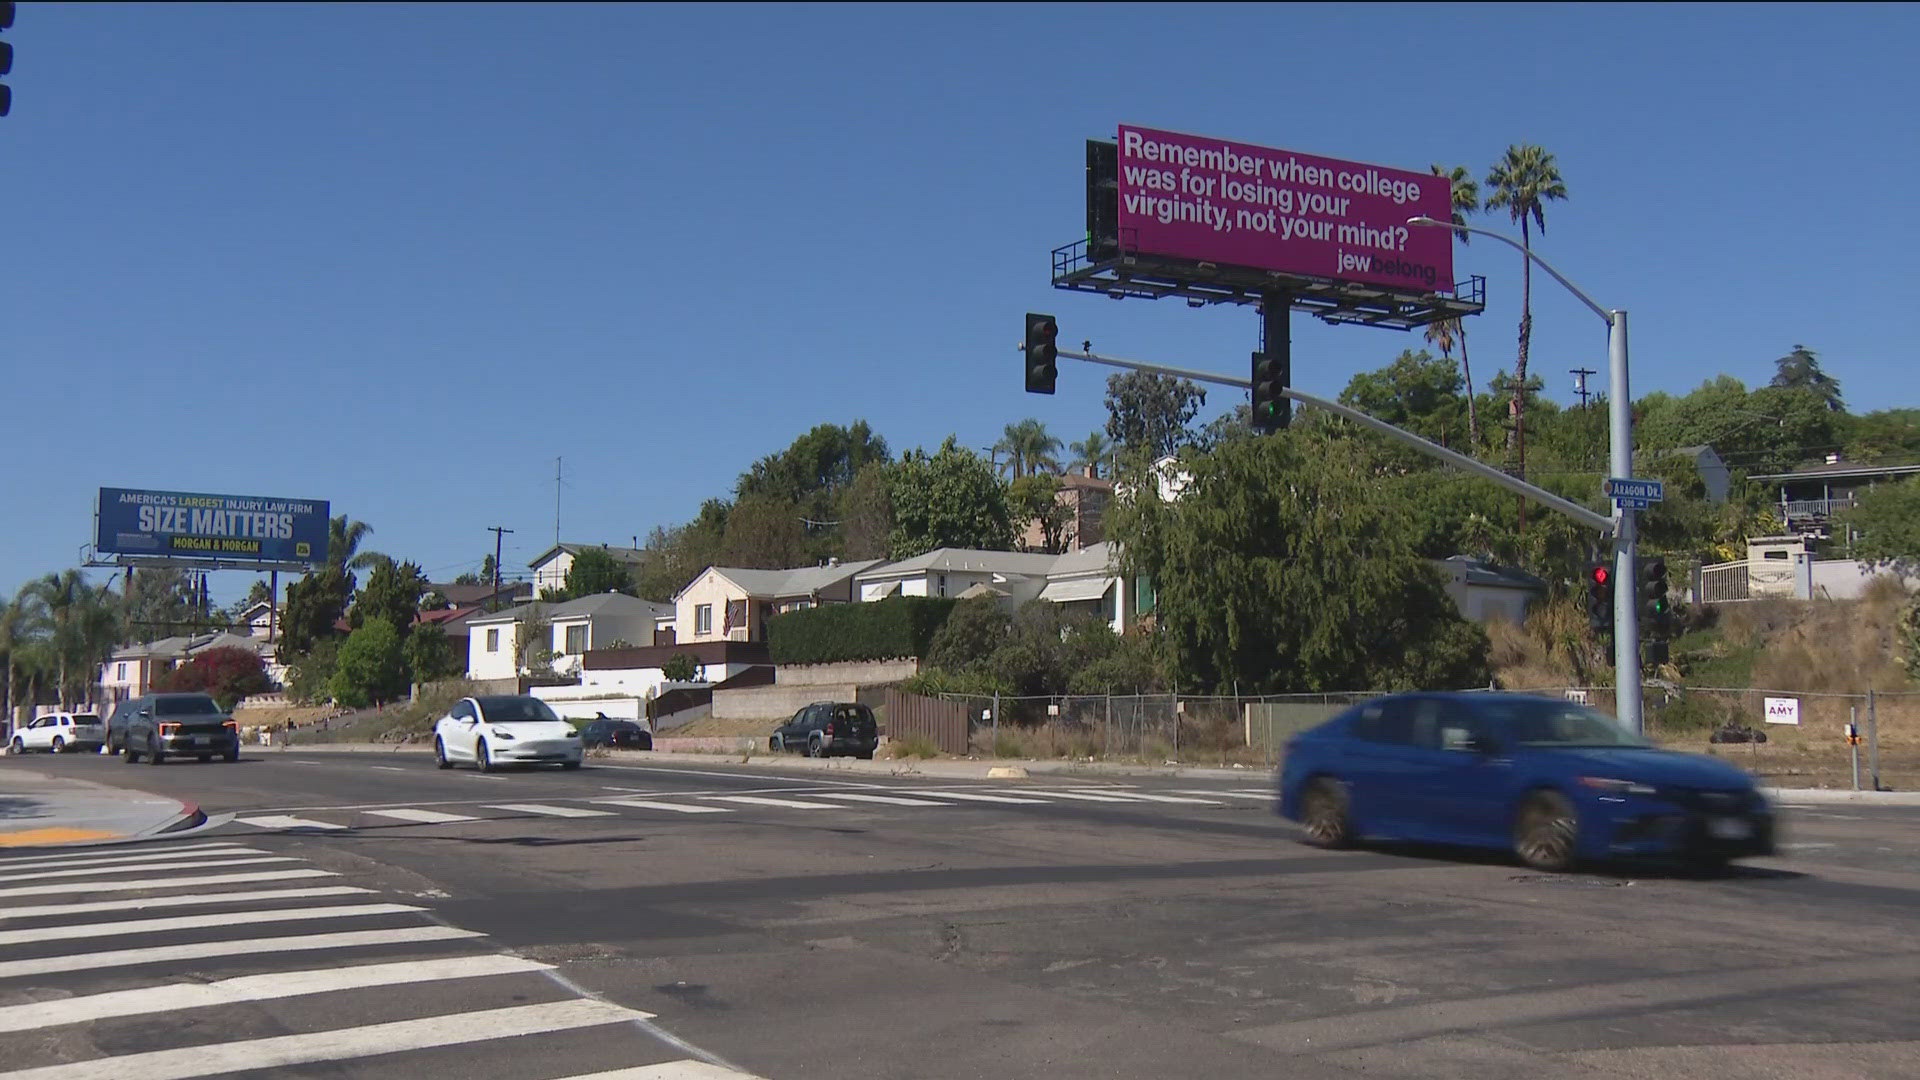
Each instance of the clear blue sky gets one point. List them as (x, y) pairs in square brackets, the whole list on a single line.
[(403, 257)]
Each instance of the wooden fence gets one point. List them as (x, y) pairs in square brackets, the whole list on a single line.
[(907, 716)]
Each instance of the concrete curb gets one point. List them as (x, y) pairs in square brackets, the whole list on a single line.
[(86, 813), (1833, 796)]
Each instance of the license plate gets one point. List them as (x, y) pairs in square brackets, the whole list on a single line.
[(203, 740), (1730, 828)]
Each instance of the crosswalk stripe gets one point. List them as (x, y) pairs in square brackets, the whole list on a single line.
[(1076, 795), (57, 888), (283, 1051), (1142, 796), (645, 804), (196, 922), (159, 954), (171, 997), (763, 800), (106, 860), (975, 796), (108, 871), (282, 821), (891, 800), (552, 811), (1261, 796), (427, 817), (688, 1069), (190, 900), (94, 853)]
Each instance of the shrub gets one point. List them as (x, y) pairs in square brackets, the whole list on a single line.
[(680, 667), (913, 746), (227, 674), (890, 629)]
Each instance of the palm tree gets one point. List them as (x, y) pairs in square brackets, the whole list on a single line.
[(1095, 452), (80, 623), (1466, 200), (1029, 448), (1523, 182), (343, 545), (15, 639)]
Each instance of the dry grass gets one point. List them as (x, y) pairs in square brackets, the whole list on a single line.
[(913, 746), (713, 727)]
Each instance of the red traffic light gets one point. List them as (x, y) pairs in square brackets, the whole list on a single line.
[(1601, 574)]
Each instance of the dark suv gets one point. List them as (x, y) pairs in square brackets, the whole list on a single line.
[(164, 725), (826, 728)]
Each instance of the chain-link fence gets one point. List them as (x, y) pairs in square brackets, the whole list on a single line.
[(1734, 723)]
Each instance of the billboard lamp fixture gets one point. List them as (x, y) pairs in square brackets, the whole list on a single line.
[(1193, 302)]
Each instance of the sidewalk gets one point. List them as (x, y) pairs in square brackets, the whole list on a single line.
[(40, 810), (1002, 769)]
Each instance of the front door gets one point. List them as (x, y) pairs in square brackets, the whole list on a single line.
[(463, 735)]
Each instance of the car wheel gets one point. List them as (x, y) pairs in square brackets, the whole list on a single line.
[(17, 746), (59, 745), (155, 755), (570, 765), (775, 744), (816, 748), (132, 756), (1545, 834), (646, 743), (232, 755), (440, 754), (1324, 815), (482, 757)]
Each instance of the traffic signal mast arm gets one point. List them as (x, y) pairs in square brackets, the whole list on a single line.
[(1460, 461)]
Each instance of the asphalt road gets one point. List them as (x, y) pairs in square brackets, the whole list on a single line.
[(660, 922)]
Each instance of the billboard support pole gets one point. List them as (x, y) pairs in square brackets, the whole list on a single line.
[(273, 603)]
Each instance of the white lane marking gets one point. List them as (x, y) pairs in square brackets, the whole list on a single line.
[(1263, 796), (280, 984), (191, 900), (551, 811), (427, 817), (974, 796), (282, 821), (184, 851), (648, 804), (389, 768), (284, 1051), (484, 776), (891, 800), (1050, 793), (688, 1069), (762, 800), (156, 856), (159, 883), (1142, 796), (161, 954), (197, 922), (109, 871)]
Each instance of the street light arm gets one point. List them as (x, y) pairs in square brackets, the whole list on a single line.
[(1423, 220)]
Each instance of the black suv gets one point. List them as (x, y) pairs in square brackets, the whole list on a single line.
[(178, 725), (826, 728), (621, 733)]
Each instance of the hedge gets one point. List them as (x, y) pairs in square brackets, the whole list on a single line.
[(890, 629)]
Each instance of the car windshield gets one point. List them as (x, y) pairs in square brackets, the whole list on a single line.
[(85, 718), (195, 705), (1536, 722), (509, 710)]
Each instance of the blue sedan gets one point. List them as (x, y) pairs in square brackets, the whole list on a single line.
[(1552, 781)]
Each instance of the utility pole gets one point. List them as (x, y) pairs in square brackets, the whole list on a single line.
[(556, 503), (498, 532), (1580, 382)]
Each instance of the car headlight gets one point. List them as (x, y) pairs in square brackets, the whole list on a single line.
[(506, 736), (1617, 787)]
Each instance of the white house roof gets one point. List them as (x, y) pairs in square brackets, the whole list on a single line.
[(1100, 558), (627, 555), (799, 581), (618, 604), (1019, 563)]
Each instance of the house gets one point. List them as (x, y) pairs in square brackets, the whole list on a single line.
[(1085, 498), (1812, 495), (728, 603), (550, 566), (1484, 592), (133, 670), (496, 651), (483, 595), (259, 620), (1087, 579), (453, 622)]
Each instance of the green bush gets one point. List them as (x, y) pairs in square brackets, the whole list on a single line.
[(890, 629)]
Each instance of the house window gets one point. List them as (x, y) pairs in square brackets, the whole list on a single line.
[(943, 586), (576, 640), (493, 641), (1143, 595), (703, 619), (120, 673)]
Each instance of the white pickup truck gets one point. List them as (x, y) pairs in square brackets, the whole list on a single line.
[(59, 733)]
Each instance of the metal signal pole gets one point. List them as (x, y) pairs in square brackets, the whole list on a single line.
[(497, 532)]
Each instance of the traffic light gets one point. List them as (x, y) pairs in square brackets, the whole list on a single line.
[(1271, 411), (6, 57), (1042, 353), (1656, 611), (1600, 598)]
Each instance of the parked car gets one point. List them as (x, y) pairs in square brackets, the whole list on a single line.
[(827, 728), (117, 720), (624, 734), (164, 725), (498, 730), (59, 733), (1553, 781)]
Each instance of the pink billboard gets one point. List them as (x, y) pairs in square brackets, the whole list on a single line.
[(1193, 197)]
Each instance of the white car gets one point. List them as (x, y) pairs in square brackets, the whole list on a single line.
[(504, 730), (60, 732)]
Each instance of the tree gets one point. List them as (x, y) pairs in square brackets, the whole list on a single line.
[(533, 640), (430, 655), (866, 513), (1883, 435), (1446, 332), (1285, 566), (947, 499), (824, 460), (372, 668), (392, 594), (1036, 499), (16, 625), (160, 602), (765, 532), (315, 604), (1148, 413), (1523, 182), (1094, 452), (680, 667), (344, 537), (80, 625), (675, 556), (593, 572), (1800, 370), (1415, 392), (1237, 424), (1028, 447), (1887, 518), (228, 674), (310, 675)]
